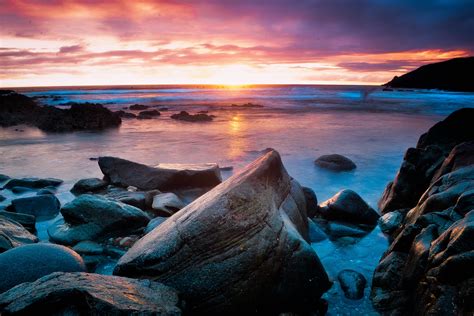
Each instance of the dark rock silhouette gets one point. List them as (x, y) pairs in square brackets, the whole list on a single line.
[(19, 109), (335, 162), (185, 116), (454, 74)]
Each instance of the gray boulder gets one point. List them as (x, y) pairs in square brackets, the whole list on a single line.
[(91, 217), (348, 206), (88, 185), (33, 183), (90, 294), (352, 284), (335, 162), (39, 206), (31, 262), (167, 204), (244, 243), (165, 177), (13, 234)]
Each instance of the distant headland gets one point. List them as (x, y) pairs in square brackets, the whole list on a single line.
[(452, 75)]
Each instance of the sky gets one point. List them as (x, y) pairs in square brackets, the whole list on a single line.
[(71, 42)]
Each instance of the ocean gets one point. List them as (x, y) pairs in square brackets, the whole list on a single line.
[(371, 126)]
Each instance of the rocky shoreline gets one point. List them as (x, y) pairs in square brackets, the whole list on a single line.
[(187, 243)]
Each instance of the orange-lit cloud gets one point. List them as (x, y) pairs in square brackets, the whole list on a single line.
[(145, 42)]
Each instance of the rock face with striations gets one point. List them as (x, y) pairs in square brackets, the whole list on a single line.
[(454, 74), (13, 234), (244, 243), (92, 217), (90, 294), (164, 177), (421, 163), (427, 269)]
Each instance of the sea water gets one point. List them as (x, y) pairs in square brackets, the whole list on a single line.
[(370, 126)]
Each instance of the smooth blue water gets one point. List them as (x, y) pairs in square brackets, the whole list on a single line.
[(370, 126)]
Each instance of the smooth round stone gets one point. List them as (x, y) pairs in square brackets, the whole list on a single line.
[(335, 162), (31, 262), (352, 284)]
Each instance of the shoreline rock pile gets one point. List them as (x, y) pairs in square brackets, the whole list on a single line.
[(429, 212)]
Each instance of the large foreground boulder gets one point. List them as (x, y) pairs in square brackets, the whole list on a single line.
[(427, 269), (241, 248), (421, 163), (13, 234), (91, 217), (165, 177), (90, 294), (31, 262)]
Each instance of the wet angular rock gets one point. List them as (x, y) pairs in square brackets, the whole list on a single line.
[(91, 217), (348, 206), (39, 206), (13, 234), (335, 162), (155, 223), (165, 177), (91, 294), (352, 284), (244, 243), (32, 262)]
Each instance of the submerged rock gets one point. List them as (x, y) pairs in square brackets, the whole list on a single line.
[(91, 217), (335, 162), (33, 183), (244, 243), (13, 234), (148, 114), (138, 107), (352, 284), (39, 205), (124, 114), (88, 185), (165, 177), (31, 262), (91, 294), (155, 223), (185, 116), (167, 203)]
